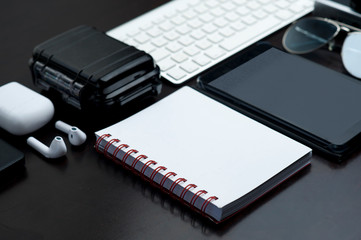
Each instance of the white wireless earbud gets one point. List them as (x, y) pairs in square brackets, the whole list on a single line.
[(76, 136), (56, 149)]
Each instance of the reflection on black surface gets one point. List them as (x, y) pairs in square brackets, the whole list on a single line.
[(19, 234), (10, 178)]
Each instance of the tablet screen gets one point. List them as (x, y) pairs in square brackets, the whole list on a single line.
[(308, 96)]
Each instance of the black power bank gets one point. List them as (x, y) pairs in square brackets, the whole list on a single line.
[(10, 158), (306, 101)]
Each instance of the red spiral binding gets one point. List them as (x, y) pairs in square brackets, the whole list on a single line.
[(205, 204), (196, 196), (100, 139), (155, 171), (113, 156), (105, 152), (174, 184), (165, 177), (146, 165), (186, 189), (136, 160), (127, 155), (116, 151)]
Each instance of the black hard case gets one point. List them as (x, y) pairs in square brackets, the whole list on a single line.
[(103, 71)]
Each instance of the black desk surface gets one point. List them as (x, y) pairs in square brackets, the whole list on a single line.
[(86, 196)]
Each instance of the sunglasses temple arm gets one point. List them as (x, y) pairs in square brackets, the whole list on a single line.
[(349, 27)]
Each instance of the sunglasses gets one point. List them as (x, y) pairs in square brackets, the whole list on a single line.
[(310, 34)]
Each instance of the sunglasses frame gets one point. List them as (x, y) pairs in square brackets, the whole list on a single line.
[(331, 43)]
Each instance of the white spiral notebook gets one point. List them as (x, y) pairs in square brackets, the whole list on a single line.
[(212, 158)]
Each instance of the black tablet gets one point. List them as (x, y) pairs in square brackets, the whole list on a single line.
[(311, 103)]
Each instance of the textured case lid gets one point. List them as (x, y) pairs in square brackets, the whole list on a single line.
[(92, 54)]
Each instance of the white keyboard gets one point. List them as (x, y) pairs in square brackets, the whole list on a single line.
[(186, 37)]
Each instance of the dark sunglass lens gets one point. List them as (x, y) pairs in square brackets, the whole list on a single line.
[(308, 34)]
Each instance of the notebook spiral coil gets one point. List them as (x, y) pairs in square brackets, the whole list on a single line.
[(113, 156)]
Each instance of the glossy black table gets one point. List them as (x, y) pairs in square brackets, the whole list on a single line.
[(85, 196)]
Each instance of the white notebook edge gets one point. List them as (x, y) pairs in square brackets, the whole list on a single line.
[(193, 196)]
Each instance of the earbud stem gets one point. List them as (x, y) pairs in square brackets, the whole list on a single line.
[(37, 145), (62, 126)]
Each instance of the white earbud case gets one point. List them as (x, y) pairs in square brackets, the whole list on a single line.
[(23, 110)]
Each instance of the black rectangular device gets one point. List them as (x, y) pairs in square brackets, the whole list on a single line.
[(10, 158), (92, 70), (306, 101)]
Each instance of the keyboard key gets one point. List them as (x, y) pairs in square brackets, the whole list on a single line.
[(238, 26), (194, 2), (166, 26), (203, 44), (282, 4), (198, 34), (201, 8), (220, 22), (182, 7), (158, 20), (284, 14), (195, 23), (178, 20), (142, 38), (270, 8), (201, 60), (171, 36), (148, 47), (215, 38), (207, 17), (240, 2), (189, 67), (159, 42), (179, 57), (191, 51), (218, 12), (296, 8), (215, 52), (249, 20), (309, 3), (211, 3), (209, 28), (248, 33), (154, 32), (176, 73), (166, 64), (231, 16), (132, 42), (170, 14), (253, 5), (190, 14), (186, 40), (264, 1), (146, 26), (174, 47), (160, 54), (243, 11), (226, 32), (184, 29), (260, 14), (133, 32), (228, 6)]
